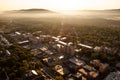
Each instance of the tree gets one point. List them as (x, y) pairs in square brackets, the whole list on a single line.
[(59, 78)]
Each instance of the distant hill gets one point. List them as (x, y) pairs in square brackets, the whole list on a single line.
[(31, 11), (103, 10), (113, 10)]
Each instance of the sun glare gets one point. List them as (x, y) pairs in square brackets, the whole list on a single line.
[(67, 5), (59, 4)]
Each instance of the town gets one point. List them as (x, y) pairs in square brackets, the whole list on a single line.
[(57, 58)]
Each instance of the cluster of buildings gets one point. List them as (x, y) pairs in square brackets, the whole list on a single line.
[(106, 50), (4, 42), (113, 76), (60, 57), (63, 47), (80, 69)]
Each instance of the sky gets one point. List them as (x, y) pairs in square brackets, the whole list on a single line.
[(59, 4)]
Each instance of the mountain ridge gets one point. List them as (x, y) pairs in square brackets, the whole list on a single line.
[(31, 11)]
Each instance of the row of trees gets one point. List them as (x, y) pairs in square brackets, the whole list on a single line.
[(15, 65)]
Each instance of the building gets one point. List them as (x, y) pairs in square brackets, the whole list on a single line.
[(35, 52), (70, 48), (97, 49), (85, 46), (89, 68), (49, 52), (104, 67), (17, 33), (78, 75), (60, 48), (43, 49), (83, 71), (49, 61), (96, 62), (26, 42), (93, 74), (63, 47), (61, 70), (32, 75), (77, 62), (113, 76), (8, 53)]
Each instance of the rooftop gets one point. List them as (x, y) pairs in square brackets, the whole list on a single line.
[(86, 46), (77, 61)]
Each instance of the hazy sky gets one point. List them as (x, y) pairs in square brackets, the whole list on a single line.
[(59, 4)]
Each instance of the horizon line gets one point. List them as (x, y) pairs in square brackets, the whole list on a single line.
[(59, 10)]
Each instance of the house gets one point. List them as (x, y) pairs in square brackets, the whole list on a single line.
[(97, 49), (61, 70), (32, 75), (83, 71), (78, 75), (93, 74)]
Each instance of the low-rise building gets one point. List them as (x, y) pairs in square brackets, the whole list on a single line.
[(104, 67), (8, 53), (49, 61), (83, 71), (97, 49), (96, 62), (77, 62), (89, 68), (35, 52), (93, 74), (26, 42), (49, 52), (43, 49), (85, 46), (31, 75), (78, 75), (61, 70)]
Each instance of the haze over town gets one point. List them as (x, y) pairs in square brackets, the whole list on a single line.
[(59, 4), (60, 40)]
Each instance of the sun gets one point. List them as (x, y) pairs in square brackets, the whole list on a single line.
[(66, 5)]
